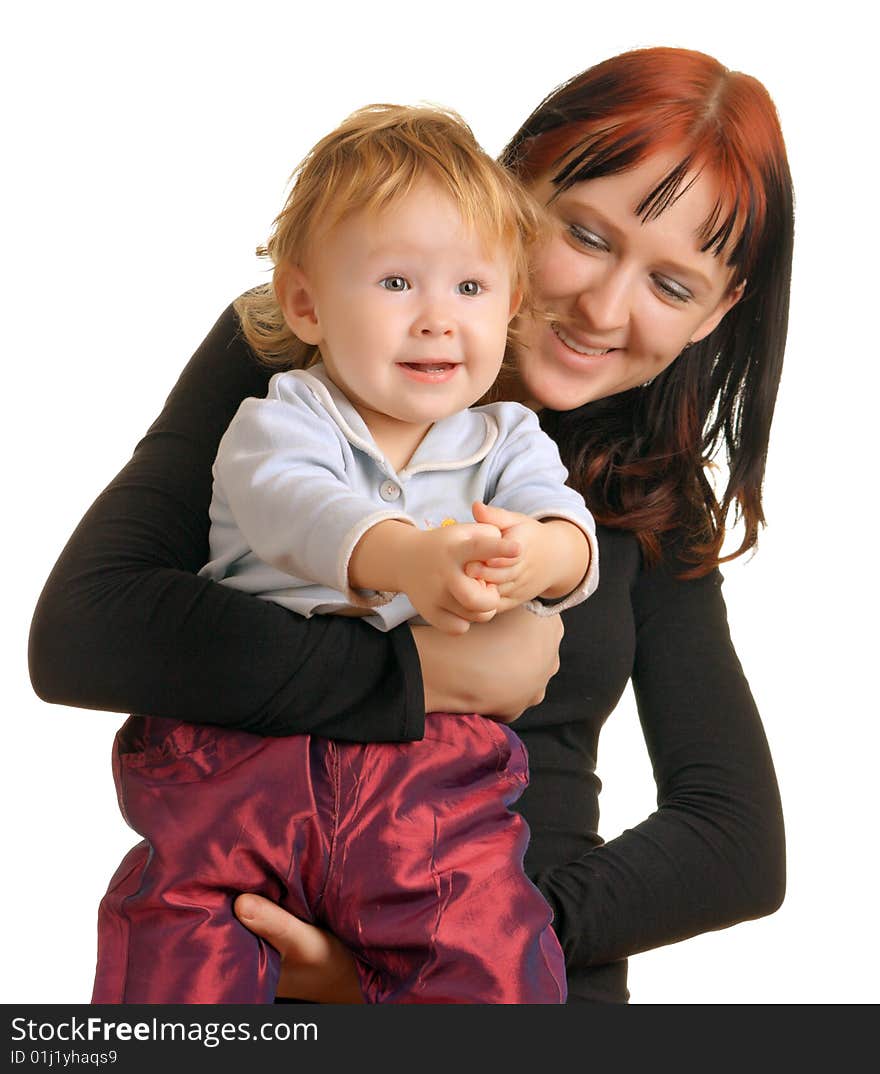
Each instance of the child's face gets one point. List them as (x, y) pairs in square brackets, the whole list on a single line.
[(409, 309)]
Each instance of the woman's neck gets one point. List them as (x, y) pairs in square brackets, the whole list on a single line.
[(510, 388)]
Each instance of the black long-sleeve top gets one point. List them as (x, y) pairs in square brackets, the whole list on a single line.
[(124, 624)]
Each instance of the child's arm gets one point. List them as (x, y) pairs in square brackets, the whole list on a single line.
[(281, 484), (125, 625), (282, 491), (429, 566)]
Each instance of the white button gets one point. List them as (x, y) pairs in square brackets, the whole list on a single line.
[(389, 491)]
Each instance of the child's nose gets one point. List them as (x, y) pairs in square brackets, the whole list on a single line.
[(434, 320)]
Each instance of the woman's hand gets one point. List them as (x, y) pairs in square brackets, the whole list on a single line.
[(498, 669), (315, 966)]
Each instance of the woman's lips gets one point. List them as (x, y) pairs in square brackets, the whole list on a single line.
[(583, 349)]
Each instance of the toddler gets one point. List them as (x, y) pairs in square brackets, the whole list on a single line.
[(365, 484)]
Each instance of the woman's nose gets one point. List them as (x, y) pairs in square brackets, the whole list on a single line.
[(605, 300)]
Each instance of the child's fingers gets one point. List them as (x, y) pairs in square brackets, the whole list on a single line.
[(477, 568), (494, 575), (474, 568), (448, 622), (485, 547), (503, 561), (476, 597), (471, 595), (495, 516), (483, 617), (514, 589), (456, 619)]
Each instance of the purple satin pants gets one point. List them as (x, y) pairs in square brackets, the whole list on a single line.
[(408, 853)]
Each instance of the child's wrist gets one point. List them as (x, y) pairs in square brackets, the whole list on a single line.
[(407, 553), (566, 547), (381, 557)]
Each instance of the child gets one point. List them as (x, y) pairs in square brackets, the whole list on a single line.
[(401, 257)]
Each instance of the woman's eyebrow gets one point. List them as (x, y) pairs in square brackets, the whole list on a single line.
[(605, 222), (691, 275)]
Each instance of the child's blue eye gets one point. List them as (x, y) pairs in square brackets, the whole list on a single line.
[(469, 287), (394, 283)]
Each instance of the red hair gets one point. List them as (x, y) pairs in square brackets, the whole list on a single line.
[(640, 457)]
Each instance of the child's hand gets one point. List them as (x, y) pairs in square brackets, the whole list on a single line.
[(517, 578), (432, 574), (552, 553)]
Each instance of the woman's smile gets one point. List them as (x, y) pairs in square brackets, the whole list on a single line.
[(585, 350), (619, 297)]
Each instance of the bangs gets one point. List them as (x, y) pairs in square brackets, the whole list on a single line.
[(486, 203), (736, 219), (639, 457), (376, 158), (719, 124)]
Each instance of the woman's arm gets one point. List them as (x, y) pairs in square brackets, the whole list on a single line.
[(124, 624), (513, 656), (713, 852), (499, 668)]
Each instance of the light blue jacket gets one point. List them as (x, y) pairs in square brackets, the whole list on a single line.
[(298, 480)]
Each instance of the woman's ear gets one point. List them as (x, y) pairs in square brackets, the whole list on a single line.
[(725, 304), (296, 299)]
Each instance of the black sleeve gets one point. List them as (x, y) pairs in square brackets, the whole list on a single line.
[(713, 853), (124, 624)]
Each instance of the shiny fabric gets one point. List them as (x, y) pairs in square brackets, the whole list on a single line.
[(408, 853)]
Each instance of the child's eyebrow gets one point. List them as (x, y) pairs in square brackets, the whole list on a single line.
[(402, 249)]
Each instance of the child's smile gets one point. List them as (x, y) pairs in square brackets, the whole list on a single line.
[(409, 309)]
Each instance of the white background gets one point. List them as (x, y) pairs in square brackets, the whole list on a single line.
[(146, 151)]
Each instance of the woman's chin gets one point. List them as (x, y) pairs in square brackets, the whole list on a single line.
[(558, 387)]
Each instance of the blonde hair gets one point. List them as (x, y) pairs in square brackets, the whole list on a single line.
[(373, 159)]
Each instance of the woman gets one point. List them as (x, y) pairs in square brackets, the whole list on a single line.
[(664, 291)]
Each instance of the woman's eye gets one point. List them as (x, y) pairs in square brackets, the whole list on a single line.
[(394, 283), (469, 287), (587, 238), (672, 290)]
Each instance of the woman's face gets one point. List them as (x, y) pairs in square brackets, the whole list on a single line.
[(625, 297)]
